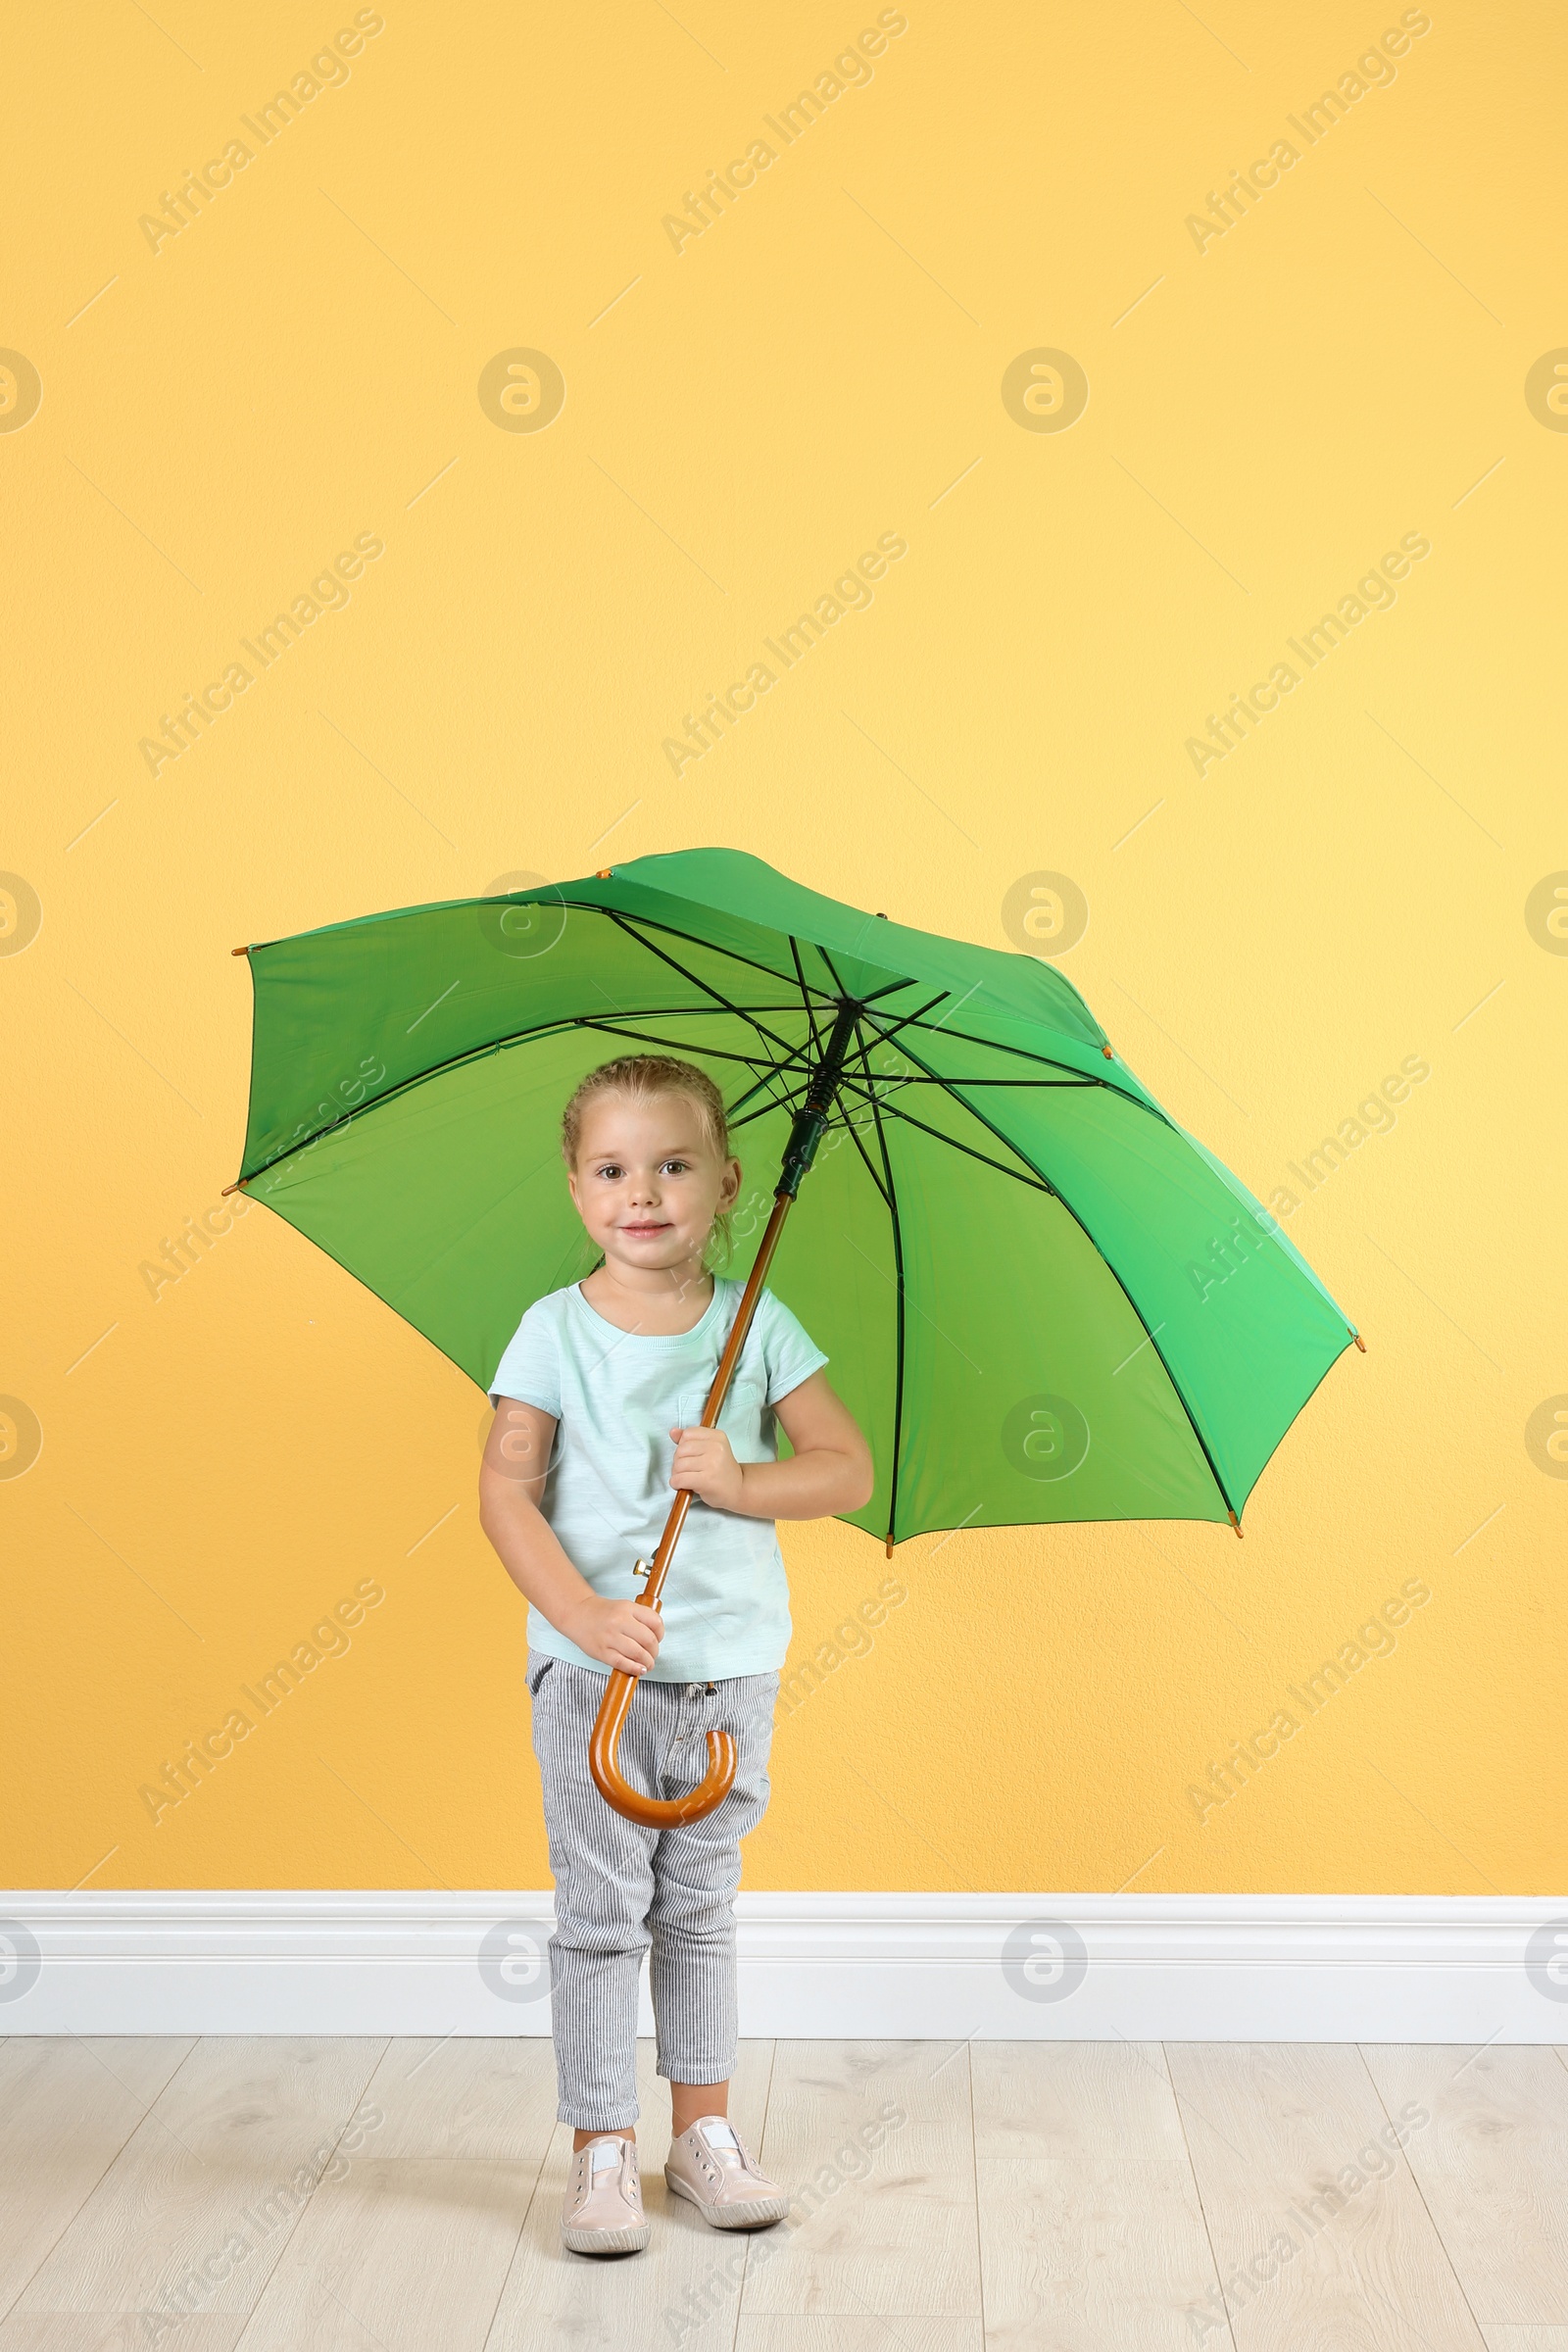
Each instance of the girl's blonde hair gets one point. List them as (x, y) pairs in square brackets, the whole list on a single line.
[(640, 1078)]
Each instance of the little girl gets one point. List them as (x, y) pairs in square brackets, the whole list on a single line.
[(618, 1368)]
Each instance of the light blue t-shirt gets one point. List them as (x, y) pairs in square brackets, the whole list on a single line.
[(615, 1395)]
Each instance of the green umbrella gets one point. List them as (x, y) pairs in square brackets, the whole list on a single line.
[(1043, 1300)]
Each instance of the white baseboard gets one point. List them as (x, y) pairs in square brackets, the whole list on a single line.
[(1462, 1969)]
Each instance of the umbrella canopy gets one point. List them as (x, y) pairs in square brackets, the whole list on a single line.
[(1042, 1299)]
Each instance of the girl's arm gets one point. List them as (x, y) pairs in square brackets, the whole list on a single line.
[(831, 1470), (619, 1634)]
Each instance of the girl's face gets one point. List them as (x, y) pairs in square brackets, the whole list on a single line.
[(648, 1182)]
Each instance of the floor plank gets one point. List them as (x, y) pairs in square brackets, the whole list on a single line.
[(1493, 2166), (119, 2331), (1110, 2099), (1318, 2228), (1090, 2226), (874, 2140), (413, 2246), (839, 2334), (68, 2106), (201, 2200), (469, 2099), (406, 2252), (1081, 2253)]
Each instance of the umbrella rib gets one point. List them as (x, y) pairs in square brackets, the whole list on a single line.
[(714, 1053), (800, 975), (854, 1134), (892, 1197), (1045, 1062), (688, 1011), (707, 987), (1176, 1384), (779, 1102), (499, 1045), (1035, 1182), (891, 989), (712, 945), (437, 1069), (994, 1046), (1031, 1081), (623, 923), (884, 1034), (776, 1102), (784, 1101), (833, 968)]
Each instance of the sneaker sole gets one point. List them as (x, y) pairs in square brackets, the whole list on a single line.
[(629, 2240), (758, 2213)]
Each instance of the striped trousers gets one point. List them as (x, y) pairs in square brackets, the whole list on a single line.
[(622, 1890)]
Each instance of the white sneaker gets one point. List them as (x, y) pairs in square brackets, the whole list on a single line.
[(711, 2167), (602, 2209)]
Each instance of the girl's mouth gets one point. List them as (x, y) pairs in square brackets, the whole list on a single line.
[(644, 1229)]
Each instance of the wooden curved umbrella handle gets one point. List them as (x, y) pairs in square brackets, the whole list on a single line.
[(654, 1813)]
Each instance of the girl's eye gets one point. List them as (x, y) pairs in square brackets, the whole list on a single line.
[(674, 1163)]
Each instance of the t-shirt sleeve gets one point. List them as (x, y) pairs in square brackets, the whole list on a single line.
[(789, 1353), (530, 1368)]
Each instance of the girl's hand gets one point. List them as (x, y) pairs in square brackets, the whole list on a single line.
[(623, 1635), (705, 1463)]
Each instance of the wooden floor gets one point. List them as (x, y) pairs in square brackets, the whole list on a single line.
[(290, 2197)]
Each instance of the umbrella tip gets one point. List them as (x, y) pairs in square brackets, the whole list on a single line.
[(230, 1187), (603, 873), (886, 1546), (239, 951), (1361, 1343), (1109, 1052), (1235, 1522)]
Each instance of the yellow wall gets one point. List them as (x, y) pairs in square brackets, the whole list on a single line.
[(1269, 935)]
